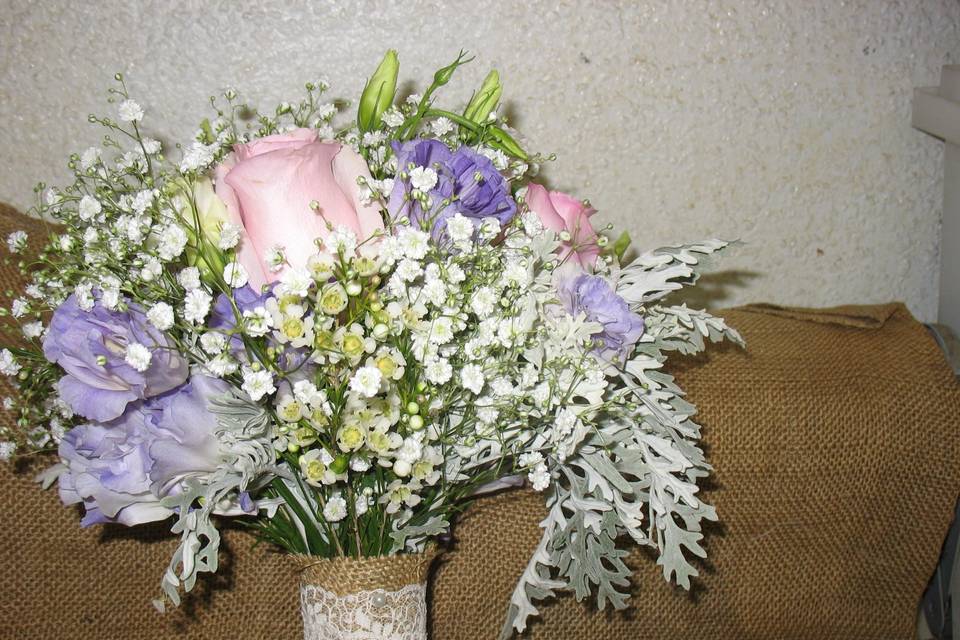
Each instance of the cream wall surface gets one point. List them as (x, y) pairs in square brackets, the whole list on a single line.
[(783, 123)]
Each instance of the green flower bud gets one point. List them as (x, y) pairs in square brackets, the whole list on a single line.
[(379, 92), (485, 100), (339, 464)]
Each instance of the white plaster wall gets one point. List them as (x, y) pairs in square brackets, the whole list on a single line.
[(784, 123)]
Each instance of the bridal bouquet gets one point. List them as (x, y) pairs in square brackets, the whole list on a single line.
[(342, 332)]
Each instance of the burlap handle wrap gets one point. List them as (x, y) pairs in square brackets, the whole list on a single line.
[(375, 598)]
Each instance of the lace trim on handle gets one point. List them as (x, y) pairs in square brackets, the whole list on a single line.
[(366, 615)]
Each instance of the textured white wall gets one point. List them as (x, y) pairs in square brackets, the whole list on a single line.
[(783, 123)]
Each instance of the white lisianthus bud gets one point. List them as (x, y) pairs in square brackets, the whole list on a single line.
[(402, 468)]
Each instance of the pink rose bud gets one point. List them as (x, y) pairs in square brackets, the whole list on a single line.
[(560, 212)]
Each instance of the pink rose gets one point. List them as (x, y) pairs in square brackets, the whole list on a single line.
[(268, 185), (560, 212)]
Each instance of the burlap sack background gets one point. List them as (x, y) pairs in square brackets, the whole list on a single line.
[(835, 439)]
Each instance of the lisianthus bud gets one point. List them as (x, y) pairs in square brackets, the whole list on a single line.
[(379, 92), (212, 214), (485, 100)]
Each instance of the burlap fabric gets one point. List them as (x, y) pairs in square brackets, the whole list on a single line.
[(344, 576), (835, 438)]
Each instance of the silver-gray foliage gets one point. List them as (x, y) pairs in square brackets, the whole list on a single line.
[(634, 477)]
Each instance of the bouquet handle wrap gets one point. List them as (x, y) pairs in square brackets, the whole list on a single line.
[(371, 598)]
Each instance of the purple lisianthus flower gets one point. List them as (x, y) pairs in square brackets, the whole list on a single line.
[(108, 470), (121, 470), (466, 180), (593, 297), (91, 347)]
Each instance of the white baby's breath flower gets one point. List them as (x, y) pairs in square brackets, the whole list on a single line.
[(539, 477), (516, 273), (130, 111), (89, 158), (326, 110), (408, 270), (541, 394), (235, 275), (366, 381), (197, 157), (7, 449), (213, 342), (423, 178), (16, 241), (222, 365), (196, 306), (229, 236), (529, 459), (57, 430), (503, 387), (138, 356), (326, 132), (435, 291), (489, 229), (151, 147), (66, 243), (441, 126), (160, 315), (362, 503), (19, 308), (189, 278), (373, 138), (257, 384), (33, 329), (411, 450), (459, 228), (342, 240), (438, 370), (471, 377), (110, 292), (151, 269), (173, 239), (142, 200), (308, 394), (441, 331), (484, 301), (90, 236), (497, 157), (532, 225), (393, 118), (390, 250), (414, 243), (257, 322), (336, 509), (88, 208), (455, 275), (8, 364), (296, 282)]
